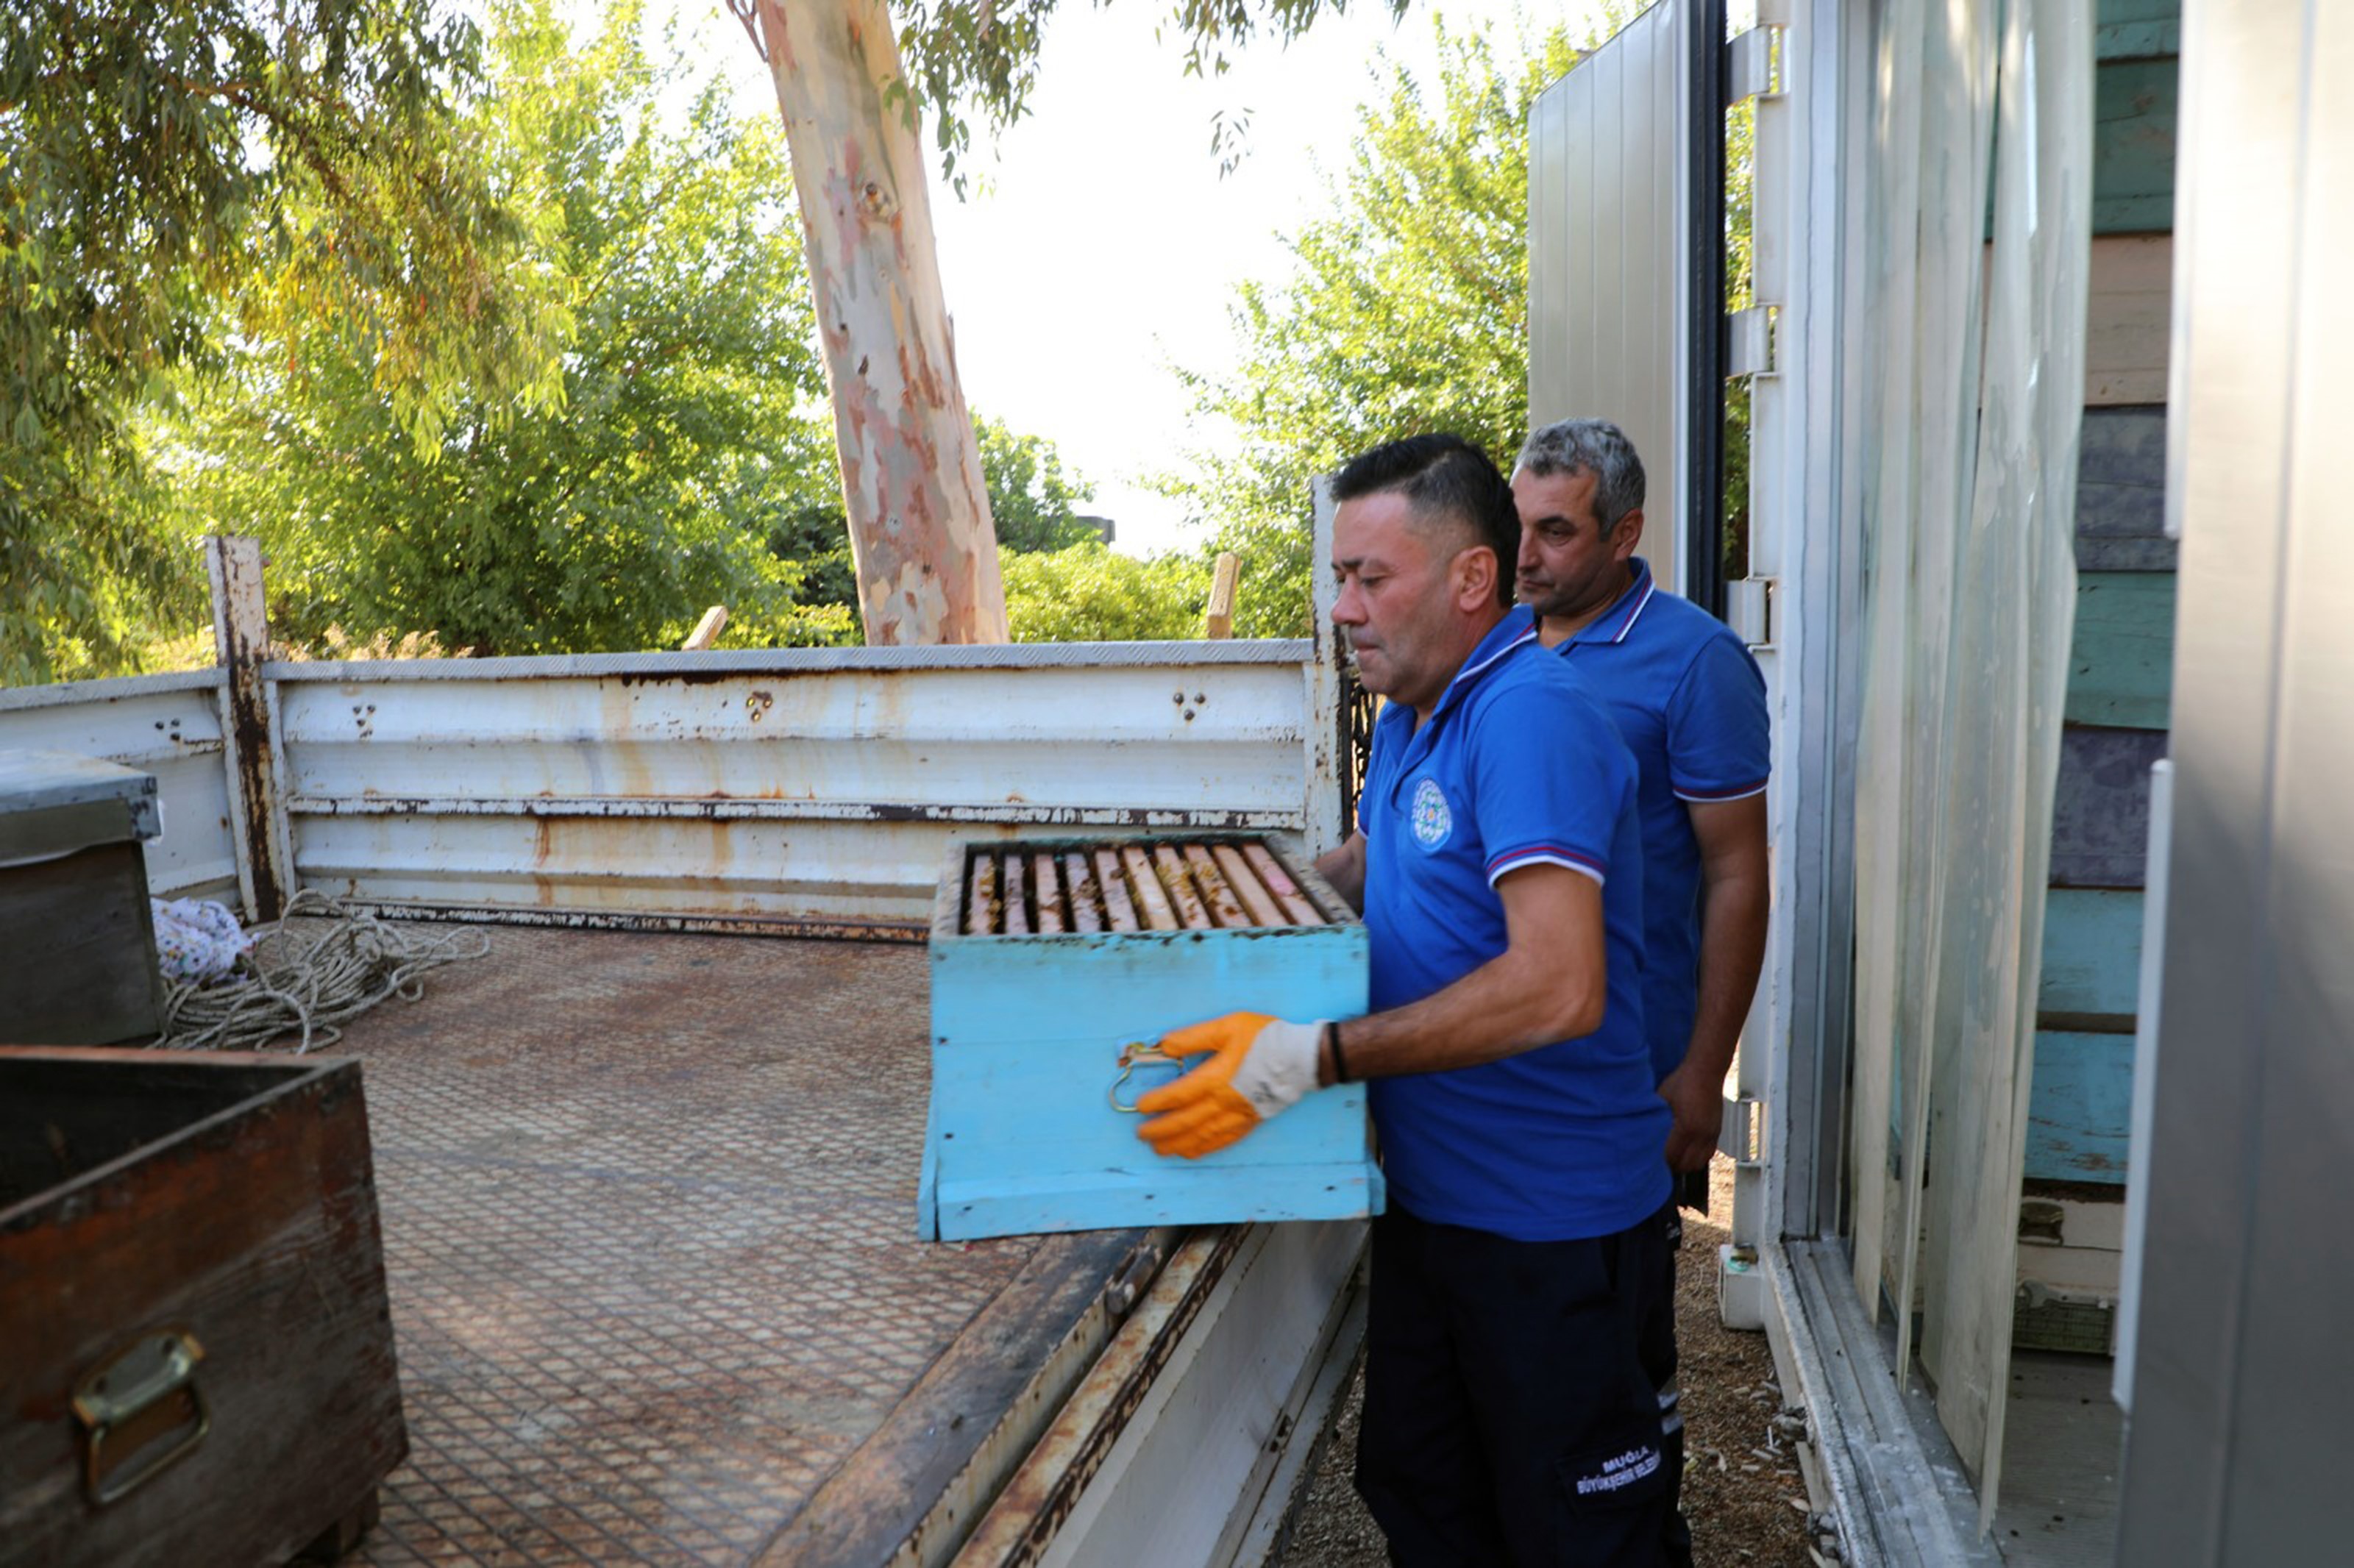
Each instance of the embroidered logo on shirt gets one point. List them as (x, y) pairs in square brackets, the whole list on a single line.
[(1432, 821), (1623, 1470)]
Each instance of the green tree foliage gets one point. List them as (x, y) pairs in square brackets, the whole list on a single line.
[(1405, 310), (1088, 593), (965, 59), (1063, 583), (689, 438), (1033, 498), (1740, 253), (149, 155)]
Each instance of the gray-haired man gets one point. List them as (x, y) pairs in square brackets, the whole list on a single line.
[(1690, 704)]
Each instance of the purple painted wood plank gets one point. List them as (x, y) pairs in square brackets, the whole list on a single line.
[(2125, 555), (2121, 492), (2100, 818)]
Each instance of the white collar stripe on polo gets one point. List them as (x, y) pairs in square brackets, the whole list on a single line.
[(1469, 670), (1650, 586)]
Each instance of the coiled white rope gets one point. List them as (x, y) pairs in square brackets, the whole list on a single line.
[(311, 978)]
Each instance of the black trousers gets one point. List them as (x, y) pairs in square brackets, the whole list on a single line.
[(1512, 1398), (1659, 1352)]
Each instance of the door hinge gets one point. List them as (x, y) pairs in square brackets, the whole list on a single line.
[(1749, 66), (1743, 1135), (1749, 342), (1749, 611)]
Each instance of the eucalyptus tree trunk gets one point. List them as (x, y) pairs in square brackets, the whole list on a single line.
[(919, 526)]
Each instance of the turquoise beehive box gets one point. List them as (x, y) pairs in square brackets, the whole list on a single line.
[(1028, 1027)]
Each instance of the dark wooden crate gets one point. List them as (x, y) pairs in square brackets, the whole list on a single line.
[(226, 1202), (74, 920)]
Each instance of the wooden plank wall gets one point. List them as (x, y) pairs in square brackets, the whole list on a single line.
[(2136, 43), (2126, 322), (2122, 658), (2133, 145), (2120, 669)]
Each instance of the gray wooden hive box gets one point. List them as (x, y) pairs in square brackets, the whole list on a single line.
[(78, 937)]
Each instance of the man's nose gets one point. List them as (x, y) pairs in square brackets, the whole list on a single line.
[(1528, 558), (1349, 608)]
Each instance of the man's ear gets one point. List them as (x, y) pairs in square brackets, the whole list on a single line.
[(1627, 535), (1474, 572)]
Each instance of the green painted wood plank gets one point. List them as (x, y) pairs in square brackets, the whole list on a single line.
[(2133, 118), (2121, 664), (2080, 1111), (2138, 41), (2133, 215), (2092, 951), (2136, 30)]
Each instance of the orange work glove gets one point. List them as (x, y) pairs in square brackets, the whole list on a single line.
[(1258, 1066)]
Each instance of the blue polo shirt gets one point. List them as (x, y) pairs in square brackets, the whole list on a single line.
[(1516, 767), (1690, 704)]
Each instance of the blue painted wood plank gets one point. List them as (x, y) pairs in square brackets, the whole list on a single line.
[(1344, 1190), (2121, 661), (2080, 1107), (2119, 13), (1026, 1032), (927, 1176), (2092, 952), (2121, 492), (2100, 813), (2133, 118)]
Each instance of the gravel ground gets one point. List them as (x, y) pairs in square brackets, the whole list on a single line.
[(1742, 1489)]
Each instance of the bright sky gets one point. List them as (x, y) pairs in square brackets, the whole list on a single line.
[(1105, 245)]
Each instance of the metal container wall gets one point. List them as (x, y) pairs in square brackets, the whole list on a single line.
[(818, 786), (1606, 245), (167, 726)]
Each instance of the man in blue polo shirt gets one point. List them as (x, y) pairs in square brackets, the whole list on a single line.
[(1510, 1417), (1690, 700), (1690, 703)]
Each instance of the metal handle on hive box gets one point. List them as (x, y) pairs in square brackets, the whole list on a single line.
[(144, 1391), (1138, 1054)]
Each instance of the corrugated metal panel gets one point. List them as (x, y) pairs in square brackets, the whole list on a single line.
[(796, 786), (167, 726), (2239, 1447), (1604, 253)]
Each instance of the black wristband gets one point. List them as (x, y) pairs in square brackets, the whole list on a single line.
[(1340, 1062)]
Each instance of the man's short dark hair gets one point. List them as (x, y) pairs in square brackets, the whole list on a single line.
[(1443, 477)]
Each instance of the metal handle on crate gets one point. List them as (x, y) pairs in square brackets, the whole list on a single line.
[(146, 1390), (1138, 1054)]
